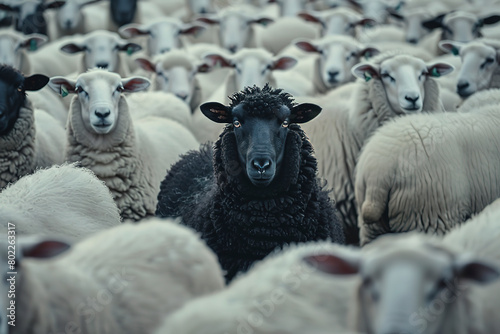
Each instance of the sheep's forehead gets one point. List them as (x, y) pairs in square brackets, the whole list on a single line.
[(176, 60), (397, 63), (480, 49), (165, 24), (342, 12), (101, 35), (99, 78), (338, 41), (261, 55), (456, 16)]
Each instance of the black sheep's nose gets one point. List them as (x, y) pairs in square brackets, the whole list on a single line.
[(102, 113), (412, 99), (102, 65), (261, 164)]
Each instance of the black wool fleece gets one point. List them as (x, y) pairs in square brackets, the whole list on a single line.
[(243, 223)]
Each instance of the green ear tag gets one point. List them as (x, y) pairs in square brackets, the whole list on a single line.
[(130, 50), (368, 55), (64, 91), (435, 73), (454, 50), (33, 45), (367, 77)]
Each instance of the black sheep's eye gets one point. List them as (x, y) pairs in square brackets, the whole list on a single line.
[(20, 88), (236, 123), (285, 124)]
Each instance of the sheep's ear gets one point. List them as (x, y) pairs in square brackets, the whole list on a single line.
[(489, 20), (451, 46), (214, 59), (368, 52), (261, 20), (73, 48), (130, 48), (439, 69), (62, 86), (146, 64), (53, 5), (42, 249), (283, 63), (365, 72), (366, 22), (212, 19), (475, 270), (217, 112), (192, 29), (304, 112), (9, 8), (135, 84), (395, 14), (203, 68), (434, 23), (334, 264), (35, 82), (311, 17), (133, 30), (356, 4), (33, 41), (89, 3), (307, 46)]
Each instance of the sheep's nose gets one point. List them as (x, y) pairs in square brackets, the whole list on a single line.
[(412, 40), (68, 24), (332, 75), (462, 85), (203, 10), (164, 50), (102, 113), (182, 96), (233, 48), (412, 99), (261, 164), (102, 65)]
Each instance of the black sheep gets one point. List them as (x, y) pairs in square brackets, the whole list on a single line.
[(256, 190), (30, 15)]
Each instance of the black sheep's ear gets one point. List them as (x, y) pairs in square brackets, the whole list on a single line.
[(304, 112), (217, 112), (35, 82), (434, 23)]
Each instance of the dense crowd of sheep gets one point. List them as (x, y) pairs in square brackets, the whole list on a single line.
[(250, 166)]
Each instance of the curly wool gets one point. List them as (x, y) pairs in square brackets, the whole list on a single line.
[(17, 148), (243, 223), (114, 160)]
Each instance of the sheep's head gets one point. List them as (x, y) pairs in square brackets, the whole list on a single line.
[(251, 66), (404, 282), (290, 7), (13, 43), (163, 35), (200, 7), (376, 9), (403, 78), (13, 87), (338, 21), (101, 49), (460, 26), (338, 54), (12, 254), (234, 27), (175, 73), (70, 16), (260, 120), (99, 94), (30, 14), (479, 62), (123, 11), (413, 22)]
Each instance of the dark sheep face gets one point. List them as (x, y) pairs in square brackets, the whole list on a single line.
[(123, 11), (261, 129), (13, 87), (30, 18)]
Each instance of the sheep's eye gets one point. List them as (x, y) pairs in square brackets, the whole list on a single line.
[(285, 124), (20, 88), (120, 89), (387, 76), (79, 89), (488, 61), (236, 123)]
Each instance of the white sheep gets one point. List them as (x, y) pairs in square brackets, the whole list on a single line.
[(130, 155), (428, 172), (177, 72), (480, 99), (336, 55), (480, 69), (280, 294), (64, 201), (29, 138), (102, 49), (396, 85), (121, 280)]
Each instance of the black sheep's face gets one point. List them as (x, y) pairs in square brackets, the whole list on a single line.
[(260, 137), (13, 87), (123, 11)]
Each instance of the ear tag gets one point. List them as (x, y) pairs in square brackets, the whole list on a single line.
[(398, 7), (454, 50), (130, 50), (64, 91), (33, 45), (368, 55), (367, 77), (435, 73)]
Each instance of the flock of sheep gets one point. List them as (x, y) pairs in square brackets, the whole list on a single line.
[(250, 166)]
